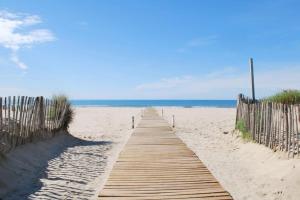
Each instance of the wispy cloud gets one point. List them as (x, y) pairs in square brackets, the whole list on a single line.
[(225, 72), (83, 24), (13, 37), (198, 42), (222, 84), (202, 41), (165, 83)]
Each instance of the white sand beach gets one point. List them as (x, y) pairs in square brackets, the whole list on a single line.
[(76, 166)]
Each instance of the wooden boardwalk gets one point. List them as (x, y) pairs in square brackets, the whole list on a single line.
[(155, 164)]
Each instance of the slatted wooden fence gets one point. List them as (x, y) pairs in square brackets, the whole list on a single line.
[(24, 119), (275, 125)]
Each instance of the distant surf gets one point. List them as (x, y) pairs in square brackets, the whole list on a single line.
[(155, 103)]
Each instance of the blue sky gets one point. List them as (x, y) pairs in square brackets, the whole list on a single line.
[(148, 49)]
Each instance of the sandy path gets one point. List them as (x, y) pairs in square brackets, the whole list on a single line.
[(80, 165), (248, 171)]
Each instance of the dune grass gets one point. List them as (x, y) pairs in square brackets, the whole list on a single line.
[(285, 97), (69, 114), (241, 126)]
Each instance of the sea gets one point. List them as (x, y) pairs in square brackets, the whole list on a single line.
[(155, 103)]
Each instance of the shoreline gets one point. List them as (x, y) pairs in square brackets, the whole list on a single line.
[(155, 103), (109, 106)]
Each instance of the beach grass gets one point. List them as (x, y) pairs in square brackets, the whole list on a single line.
[(241, 126), (69, 115), (285, 97)]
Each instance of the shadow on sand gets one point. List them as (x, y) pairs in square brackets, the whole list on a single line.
[(63, 159)]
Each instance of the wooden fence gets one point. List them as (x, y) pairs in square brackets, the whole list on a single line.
[(24, 119), (275, 125)]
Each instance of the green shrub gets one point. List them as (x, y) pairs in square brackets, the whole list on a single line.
[(68, 115), (241, 126), (285, 97)]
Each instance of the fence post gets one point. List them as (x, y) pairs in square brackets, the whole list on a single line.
[(8, 112), (238, 108), (41, 113), (0, 113), (252, 78)]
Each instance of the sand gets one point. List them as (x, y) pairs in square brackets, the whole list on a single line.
[(76, 166)]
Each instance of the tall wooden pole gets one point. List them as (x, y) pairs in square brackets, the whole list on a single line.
[(252, 78)]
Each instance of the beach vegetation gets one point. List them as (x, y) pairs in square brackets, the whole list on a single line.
[(241, 126), (69, 113), (285, 97)]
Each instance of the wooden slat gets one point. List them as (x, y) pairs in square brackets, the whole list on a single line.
[(1, 118), (155, 164)]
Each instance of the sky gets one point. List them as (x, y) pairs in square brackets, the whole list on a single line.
[(148, 49)]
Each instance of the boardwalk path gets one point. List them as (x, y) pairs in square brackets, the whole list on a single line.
[(155, 164)]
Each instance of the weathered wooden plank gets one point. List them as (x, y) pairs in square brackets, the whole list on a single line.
[(1, 117), (5, 113), (9, 122), (14, 115)]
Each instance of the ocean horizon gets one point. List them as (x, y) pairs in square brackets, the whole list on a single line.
[(154, 103)]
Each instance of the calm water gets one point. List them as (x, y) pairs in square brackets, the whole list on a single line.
[(146, 103)]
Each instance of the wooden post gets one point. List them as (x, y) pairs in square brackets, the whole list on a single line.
[(41, 114), (13, 109), (21, 116), (5, 112), (133, 122), (238, 108), (173, 121), (162, 112), (252, 78), (8, 105), (1, 114)]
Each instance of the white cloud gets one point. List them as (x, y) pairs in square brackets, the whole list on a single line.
[(17, 61), (83, 23), (202, 41), (13, 37), (165, 83), (224, 84), (198, 42)]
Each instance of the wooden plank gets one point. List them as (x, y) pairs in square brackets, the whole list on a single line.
[(8, 114), (47, 114), (25, 117), (13, 130), (29, 117), (1, 118), (155, 164), (21, 118), (17, 116), (5, 113), (13, 109)]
